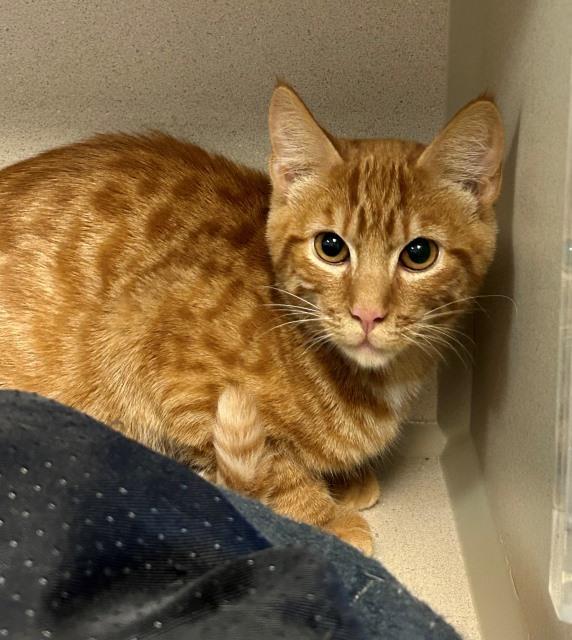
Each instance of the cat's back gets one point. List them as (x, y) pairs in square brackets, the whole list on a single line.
[(117, 218), (123, 203), (154, 182)]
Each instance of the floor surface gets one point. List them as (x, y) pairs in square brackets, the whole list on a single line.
[(416, 539)]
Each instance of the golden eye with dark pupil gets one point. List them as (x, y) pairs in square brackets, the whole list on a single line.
[(330, 247), (419, 254)]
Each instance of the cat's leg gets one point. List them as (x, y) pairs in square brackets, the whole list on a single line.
[(253, 466), (360, 490), (302, 496)]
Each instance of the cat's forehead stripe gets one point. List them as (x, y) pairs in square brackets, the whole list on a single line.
[(376, 193), (353, 187)]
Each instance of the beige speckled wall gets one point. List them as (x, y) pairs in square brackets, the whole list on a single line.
[(521, 49), (204, 69)]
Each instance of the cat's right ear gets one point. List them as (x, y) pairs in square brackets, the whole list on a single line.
[(301, 150)]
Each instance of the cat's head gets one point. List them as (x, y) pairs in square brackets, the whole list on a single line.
[(378, 243)]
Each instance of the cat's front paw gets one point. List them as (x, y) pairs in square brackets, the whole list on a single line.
[(351, 527), (360, 492)]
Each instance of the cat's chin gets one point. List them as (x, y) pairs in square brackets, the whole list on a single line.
[(368, 357)]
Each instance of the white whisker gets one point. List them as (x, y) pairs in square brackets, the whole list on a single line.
[(444, 338), (434, 333), (502, 297), (427, 341), (318, 340), (293, 295), (448, 304), (289, 323), (444, 314), (417, 344), (474, 299), (300, 314), (293, 308), (445, 331), (283, 305), (447, 328)]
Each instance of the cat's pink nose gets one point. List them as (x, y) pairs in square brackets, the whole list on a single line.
[(369, 318)]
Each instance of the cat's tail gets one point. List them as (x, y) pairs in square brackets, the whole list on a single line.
[(239, 439)]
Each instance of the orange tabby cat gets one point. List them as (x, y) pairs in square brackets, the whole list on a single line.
[(269, 332)]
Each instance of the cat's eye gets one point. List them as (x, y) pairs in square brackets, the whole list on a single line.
[(419, 254), (331, 248)]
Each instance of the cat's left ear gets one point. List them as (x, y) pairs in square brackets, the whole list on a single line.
[(469, 151), (301, 150)]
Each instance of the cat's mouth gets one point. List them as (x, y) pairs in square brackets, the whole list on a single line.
[(368, 356), (367, 346)]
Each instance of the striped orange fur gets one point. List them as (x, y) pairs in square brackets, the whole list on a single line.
[(239, 439), (271, 332)]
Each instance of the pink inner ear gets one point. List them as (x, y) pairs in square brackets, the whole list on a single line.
[(279, 174), (285, 174), (288, 175), (472, 186)]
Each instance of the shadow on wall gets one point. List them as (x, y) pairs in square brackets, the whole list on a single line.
[(493, 324)]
